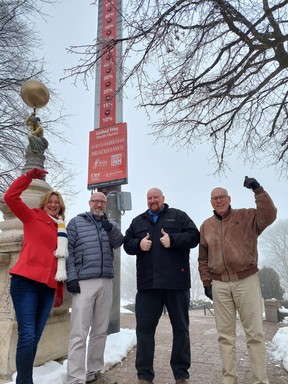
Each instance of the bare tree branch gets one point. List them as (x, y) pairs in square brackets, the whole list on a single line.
[(19, 39), (274, 246), (214, 71)]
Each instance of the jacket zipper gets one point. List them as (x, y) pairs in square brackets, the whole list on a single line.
[(100, 242), (222, 249), (222, 246)]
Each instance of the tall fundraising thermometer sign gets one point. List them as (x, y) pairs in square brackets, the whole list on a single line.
[(108, 141)]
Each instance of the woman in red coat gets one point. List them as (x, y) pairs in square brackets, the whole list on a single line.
[(39, 268)]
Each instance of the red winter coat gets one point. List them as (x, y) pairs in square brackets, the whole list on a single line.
[(36, 260)]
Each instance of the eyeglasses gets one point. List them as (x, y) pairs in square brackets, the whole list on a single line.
[(102, 202), (221, 198)]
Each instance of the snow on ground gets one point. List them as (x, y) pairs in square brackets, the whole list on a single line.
[(119, 344)]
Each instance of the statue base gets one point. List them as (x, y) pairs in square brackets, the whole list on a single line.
[(33, 160)]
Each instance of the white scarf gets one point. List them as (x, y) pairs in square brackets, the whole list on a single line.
[(61, 251)]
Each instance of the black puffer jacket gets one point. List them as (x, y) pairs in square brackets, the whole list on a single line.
[(91, 248), (163, 268)]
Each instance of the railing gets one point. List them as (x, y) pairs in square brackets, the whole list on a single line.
[(205, 308)]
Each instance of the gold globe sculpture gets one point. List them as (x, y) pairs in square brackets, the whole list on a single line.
[(35, 94)]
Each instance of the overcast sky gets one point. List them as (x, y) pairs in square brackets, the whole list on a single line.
[(185, 178)]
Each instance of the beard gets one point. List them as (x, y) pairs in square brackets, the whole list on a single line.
[(98, 214)]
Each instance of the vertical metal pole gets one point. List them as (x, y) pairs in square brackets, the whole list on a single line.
[(114, 214), (108, 112)]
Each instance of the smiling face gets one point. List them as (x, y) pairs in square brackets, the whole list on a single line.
[(155, 200), (52, 206), (52, 203), (220, 200), (97, 204)]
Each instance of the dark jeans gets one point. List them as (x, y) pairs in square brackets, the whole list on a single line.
[(32, 302), (149, 308)]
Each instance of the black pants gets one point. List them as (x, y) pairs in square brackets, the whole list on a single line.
[(149, 308)]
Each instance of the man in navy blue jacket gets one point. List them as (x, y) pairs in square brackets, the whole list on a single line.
[(92, 237), (161, 238)]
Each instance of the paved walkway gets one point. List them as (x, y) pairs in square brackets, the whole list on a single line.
[(206, 364)]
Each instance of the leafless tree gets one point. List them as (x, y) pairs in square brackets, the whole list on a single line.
[(215, 71), (274, 248), (18, 63)]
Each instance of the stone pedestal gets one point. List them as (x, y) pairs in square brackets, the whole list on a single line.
[(272, 310), (34, 160), (54, 341)]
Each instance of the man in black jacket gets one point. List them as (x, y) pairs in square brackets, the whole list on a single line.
[(161, 238)]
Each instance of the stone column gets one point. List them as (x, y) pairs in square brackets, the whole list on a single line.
[(54, 341)]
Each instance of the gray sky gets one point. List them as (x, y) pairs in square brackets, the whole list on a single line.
[(185, 178)]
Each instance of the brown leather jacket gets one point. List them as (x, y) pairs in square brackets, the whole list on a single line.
[(228, 245)]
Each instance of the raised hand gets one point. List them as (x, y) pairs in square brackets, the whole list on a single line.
[(145, 243), (36, 173), (251, 183), (107, 226), (165, 239)]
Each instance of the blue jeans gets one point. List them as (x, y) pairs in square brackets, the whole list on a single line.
[(32, 302), (148, 309)]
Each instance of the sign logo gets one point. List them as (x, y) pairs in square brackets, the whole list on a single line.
[(108, 156)]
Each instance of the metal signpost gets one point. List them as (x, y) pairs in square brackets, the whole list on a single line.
[(107, 169)]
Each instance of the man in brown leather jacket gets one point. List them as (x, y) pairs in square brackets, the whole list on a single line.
[(228, 259)]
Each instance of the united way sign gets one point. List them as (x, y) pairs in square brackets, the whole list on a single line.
[(108, 156)]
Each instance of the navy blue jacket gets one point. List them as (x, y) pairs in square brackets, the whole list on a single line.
[(162, 268), (91, 248)]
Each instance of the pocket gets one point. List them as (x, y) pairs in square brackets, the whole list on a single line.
[(171, 227), (141, 232)]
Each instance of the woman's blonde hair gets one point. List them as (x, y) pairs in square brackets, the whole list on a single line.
[(45, 198)]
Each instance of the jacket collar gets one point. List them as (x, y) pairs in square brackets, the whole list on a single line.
[(163, 209), (225, 214)]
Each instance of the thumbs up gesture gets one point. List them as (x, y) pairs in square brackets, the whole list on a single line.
[(165, 239), (145, 243)]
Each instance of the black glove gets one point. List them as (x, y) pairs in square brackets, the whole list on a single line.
[(251, 183), (208, 292), (107, 226), (73, 286), (36, 173)]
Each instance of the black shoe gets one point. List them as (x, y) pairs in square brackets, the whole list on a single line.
[(182, 381)]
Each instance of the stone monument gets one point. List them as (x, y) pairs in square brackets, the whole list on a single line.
[(54, 341)]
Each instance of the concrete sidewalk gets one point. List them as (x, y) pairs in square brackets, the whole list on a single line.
[(206, 364)]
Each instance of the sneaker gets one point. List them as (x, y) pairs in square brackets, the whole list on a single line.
[(100, 378), (182, 381)]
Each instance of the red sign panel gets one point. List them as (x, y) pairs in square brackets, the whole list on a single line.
[(108, 156)]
